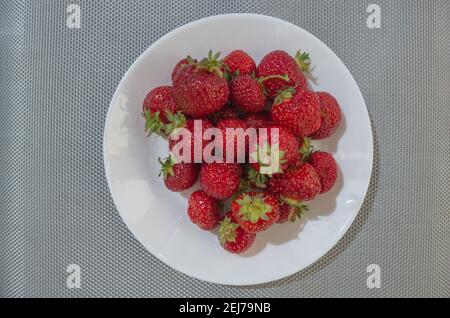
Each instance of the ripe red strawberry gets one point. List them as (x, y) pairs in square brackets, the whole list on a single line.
[(158, 102), (178, 176), (255, 211), (179, 121), (180, 65), (259, 120), (291, 210), (281, 63), (326, 168), (239, 61), (298, 110), (232, 237), (239, 143), (220, 180), (200, 88), (203, 210), (227, 112), (330, 113), (300, 182), (287, 147), (247, 92)]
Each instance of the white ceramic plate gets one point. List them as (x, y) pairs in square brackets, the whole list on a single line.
[(158, 218)]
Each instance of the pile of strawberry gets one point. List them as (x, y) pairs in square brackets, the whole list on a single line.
[(236, 93)]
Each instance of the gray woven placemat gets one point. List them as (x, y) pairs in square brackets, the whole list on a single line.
[(55, 87)]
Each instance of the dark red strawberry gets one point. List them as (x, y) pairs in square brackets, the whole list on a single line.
[(178, 176), (158, 102), (247, 92), (298, 110), (326, 168), (232, 237), (281, 63), (239, 61), (259, 120), (220, 180), (227, 112), (196, 137), (232, 135), (255, 211), (203, 210), (286, 146), (200, 88), (300, 182), (291, 210), (331, 116)]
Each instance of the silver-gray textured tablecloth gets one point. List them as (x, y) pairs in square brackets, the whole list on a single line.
[(55, 87)]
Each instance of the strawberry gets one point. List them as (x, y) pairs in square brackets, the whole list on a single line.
[(259, 120), (203, 210), (330, 113), (227, 112), (290, 210), (298, 110), (247, 92), (300, 182), (200, 88), (287, 147), (220, 180), (239, 61), (239, 143), (326, 168), (232, 237), (180, 66), (178, 176), (255, 211), (180, 121), (157, 104), (281, 63)]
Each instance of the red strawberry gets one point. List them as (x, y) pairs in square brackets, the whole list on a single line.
[(203, 210), (220, 180), (178, 176), (247, 92), (227, 112), (259, 120), (239, 143), (158, 102), (281, 63), (330, 113), (287, 147), (301, 182), (239, 61), (326, 168), (232, 237), (290, 209), (298, 110), (180, 65), (255, 211), (179, 121), (200, 88)]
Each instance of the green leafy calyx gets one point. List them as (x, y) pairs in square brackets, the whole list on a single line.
[(227, 231), (253, 208)]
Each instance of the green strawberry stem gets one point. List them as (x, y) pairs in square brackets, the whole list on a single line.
[(299, 208), (285, 94), (166, 166), (258, 179), (227, 231), (284, 77), (153, 124), (253, 208), (303, 61), (177, 120), (210, 64), (306, 149)]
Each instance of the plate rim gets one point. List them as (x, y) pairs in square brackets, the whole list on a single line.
[(167, 36)]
